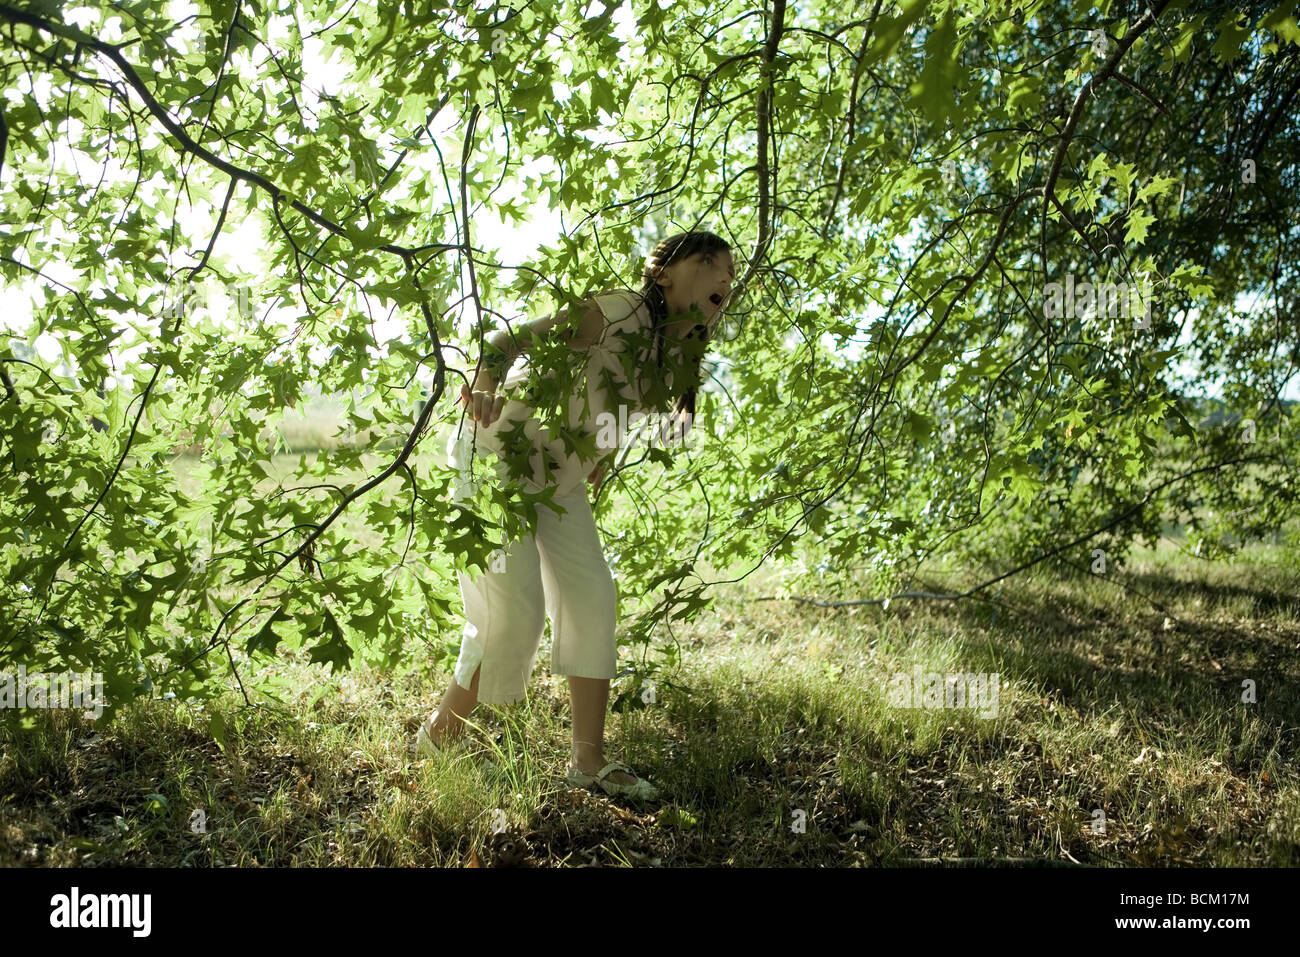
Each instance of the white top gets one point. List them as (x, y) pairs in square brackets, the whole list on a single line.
[(593, 411)]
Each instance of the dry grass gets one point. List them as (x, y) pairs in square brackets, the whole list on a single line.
[(779, 709)]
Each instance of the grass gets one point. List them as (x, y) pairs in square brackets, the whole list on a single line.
[(780, 746)]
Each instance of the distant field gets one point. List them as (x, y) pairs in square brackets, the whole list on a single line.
[(318, 423)]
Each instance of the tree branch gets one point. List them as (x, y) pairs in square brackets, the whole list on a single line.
[(764, 110), (971, 592), (1107, 70), (178, 131)]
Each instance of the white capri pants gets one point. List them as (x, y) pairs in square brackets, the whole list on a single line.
[(559, 573)]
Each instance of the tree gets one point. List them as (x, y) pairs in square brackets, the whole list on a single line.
[(904, 185)]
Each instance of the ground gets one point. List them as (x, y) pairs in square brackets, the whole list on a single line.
[(1121, 738)]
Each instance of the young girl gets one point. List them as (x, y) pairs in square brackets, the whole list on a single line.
[(560, 570)]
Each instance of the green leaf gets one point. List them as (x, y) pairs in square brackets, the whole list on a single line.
[(919, 427), (936, 89), (1231, 34), (371, 237), (889, 30), (217, 728), (266, 639), (1138, 221), (334, 649)]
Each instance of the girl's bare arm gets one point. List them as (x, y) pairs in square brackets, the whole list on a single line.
[(580, 332)]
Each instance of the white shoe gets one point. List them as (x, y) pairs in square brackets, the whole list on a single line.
[(640, 789), (426, 748)]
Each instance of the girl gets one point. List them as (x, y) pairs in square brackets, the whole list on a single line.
[(560, 571)]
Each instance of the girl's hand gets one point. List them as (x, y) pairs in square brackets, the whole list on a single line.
[(596, 477), (481, 401)]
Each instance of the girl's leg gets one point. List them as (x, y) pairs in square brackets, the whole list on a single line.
[(589, 698), (457, 704), (505, 614), (504, 611), (583, 604)]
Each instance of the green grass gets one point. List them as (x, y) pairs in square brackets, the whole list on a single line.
[(1103, 705)]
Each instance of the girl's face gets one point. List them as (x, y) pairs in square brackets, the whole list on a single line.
[(699, 281)]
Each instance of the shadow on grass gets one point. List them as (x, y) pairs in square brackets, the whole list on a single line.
[(776, 756)]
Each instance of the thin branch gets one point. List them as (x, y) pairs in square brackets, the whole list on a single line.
[(764, 109), (971, 592), (1107, 70), (178, 131), (1143, 90)]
